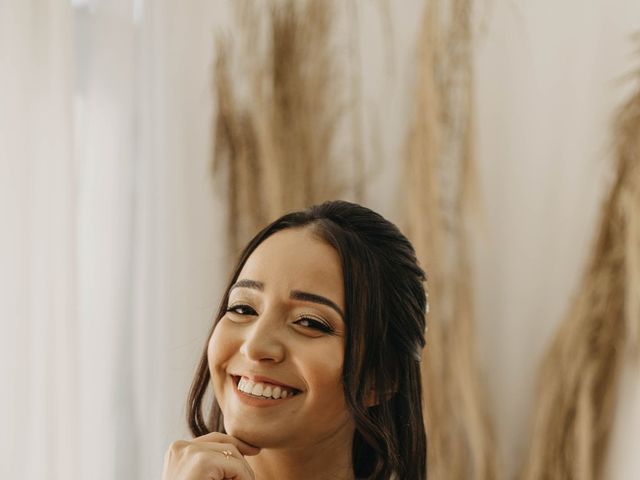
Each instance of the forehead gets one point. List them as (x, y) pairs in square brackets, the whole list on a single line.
[(296, 259)]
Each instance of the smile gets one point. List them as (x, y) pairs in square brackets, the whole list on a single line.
[(249, 388)]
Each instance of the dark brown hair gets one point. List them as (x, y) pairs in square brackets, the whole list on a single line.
[(385, 312)]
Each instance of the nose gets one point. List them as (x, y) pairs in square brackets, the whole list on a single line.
[(263, 340)]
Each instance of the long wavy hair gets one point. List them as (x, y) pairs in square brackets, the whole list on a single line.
[(385, 315)]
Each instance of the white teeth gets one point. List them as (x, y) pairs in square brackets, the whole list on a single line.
[(276, 392), (261, 390), (257, 389), (248, 386)]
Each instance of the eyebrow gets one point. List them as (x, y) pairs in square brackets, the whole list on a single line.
[(295, 294)]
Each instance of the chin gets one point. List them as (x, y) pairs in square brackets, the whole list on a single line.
[(257, 437)]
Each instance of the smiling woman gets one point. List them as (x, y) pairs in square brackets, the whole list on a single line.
[(314, 357)]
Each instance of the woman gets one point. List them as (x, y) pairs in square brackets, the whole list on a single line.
[(314, 357)]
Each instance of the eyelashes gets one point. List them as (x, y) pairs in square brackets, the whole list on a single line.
[(241, 310), (305, 321), (315, 324)]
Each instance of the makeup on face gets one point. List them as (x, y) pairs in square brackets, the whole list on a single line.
[(276, 356)]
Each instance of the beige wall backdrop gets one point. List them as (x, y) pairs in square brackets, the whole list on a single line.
[(549, 76), (140, 240)]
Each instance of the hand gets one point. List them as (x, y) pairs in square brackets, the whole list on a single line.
[(203, 459)]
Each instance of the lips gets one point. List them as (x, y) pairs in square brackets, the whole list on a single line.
[(263, 379)]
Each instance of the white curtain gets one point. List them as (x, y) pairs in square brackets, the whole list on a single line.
[(112, 233), (110, 267), (38, 198)]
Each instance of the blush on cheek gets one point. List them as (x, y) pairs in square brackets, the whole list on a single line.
[(216, 361), (211, 354), (217, 342), (324, 373), (210, 347)]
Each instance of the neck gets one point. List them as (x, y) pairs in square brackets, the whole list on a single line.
[(326, 459)]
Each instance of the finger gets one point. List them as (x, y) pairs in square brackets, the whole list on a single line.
[(213, 461), (221, 448), (217, 466), (243, 447)]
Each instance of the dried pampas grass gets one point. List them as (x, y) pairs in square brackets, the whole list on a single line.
[(439, 179), (277, 145), (579, 376)]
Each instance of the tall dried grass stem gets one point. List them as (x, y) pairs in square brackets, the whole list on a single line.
[(276, 145), (439, 177)]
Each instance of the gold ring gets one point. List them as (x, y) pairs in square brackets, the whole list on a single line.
[(227, 454)]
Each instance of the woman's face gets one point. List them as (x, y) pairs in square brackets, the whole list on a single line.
[(282, 339)]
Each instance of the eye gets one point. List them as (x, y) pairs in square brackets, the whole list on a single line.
[(241, 309), (312, 323)]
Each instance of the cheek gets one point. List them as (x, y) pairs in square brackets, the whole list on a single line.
[(323, 372), (219, 350)]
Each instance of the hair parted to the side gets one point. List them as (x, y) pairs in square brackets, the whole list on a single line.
[(385, 313)]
